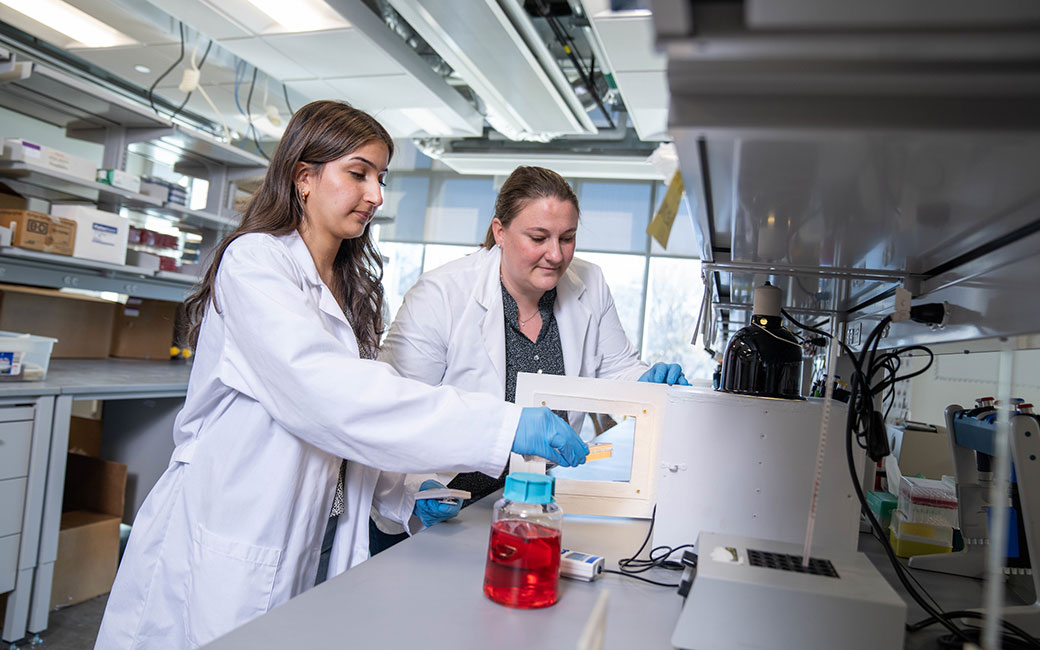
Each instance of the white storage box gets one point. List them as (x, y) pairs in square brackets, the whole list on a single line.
[(24, 357), (142, 259), (120, 179), (46, 158), (100, 236)]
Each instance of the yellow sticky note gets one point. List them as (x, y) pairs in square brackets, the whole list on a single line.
[(661, 225)]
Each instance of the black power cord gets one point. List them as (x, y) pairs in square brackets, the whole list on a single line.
[(202, 62), (285, 93), (151, 89), (862, 415), (249, 116), (631, 566)]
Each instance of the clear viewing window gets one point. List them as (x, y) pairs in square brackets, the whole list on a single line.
[(673, 301), (404, 199), (624, 276), (460, 210), (619, 431), (614, 216), (441, 254), (400, 272)]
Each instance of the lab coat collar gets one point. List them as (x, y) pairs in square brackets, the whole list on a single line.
[(572, 319), (326, 301), (488, 295)]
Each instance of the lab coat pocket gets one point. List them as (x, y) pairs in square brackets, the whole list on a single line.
[(231, 583)]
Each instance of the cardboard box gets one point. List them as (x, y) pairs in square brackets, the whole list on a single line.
[(46, 158), (82, 325), (144, 329), (100, 235), (85, 436), (40, 232), (11, 200), (88, 544)]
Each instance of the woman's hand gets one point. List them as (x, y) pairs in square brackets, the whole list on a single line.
[(541, 432), (665, 373), (434, 511)]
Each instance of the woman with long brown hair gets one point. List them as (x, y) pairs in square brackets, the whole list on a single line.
[(282, 390)]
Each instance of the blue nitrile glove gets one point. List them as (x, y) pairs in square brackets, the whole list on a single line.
[(665, 373), (541, 432), (432, 511)]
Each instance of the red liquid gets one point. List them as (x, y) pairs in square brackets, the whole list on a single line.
[(523, 564)]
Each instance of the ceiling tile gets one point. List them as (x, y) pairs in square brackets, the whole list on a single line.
[(337, 53), (121, 61), (203, 18), (265, 57), (392, 91)]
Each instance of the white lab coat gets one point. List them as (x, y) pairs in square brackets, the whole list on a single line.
[(450, 331), (277, 396)]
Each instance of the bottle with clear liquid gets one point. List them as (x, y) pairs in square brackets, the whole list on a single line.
[(523, 558)]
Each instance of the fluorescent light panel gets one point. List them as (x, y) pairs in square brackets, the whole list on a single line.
[(63, 17), (571, 166), (301, 15)]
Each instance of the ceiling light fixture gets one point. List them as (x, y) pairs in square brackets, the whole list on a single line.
[(302, 15), (568, 165), (143, 69), (62, 17)]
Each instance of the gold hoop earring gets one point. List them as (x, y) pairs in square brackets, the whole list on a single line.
[(302, 194)]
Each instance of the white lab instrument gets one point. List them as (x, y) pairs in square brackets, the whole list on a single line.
[(754, 594), (580, 566), (623, 485), (745, 465)]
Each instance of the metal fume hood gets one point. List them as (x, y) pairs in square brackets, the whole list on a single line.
[(844, 150)]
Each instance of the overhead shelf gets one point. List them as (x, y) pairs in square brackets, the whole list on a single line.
[(56, 186), (91, 111), (21, 266)]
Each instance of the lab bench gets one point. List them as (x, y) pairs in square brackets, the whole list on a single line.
[(427, 592), (34, 428)]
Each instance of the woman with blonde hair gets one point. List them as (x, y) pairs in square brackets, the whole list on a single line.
[(522, 303)]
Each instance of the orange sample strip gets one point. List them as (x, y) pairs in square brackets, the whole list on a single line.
[(602, 450)]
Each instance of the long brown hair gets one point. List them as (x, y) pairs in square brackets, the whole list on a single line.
[(524, 185), (318, 133)]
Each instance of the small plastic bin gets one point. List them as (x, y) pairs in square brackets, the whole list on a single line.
[(927, 501), (910, 538), (882, 504), (24, 357)]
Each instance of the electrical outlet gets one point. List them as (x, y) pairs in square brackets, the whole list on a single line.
[(853, 334)]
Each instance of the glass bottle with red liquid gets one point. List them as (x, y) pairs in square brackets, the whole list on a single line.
[(523, 560)]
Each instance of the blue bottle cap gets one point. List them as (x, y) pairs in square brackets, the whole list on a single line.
[(526, 487)]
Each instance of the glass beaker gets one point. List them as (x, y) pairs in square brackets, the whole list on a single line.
[(523, 559)]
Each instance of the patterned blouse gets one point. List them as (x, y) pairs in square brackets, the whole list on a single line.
[(544, 355)]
